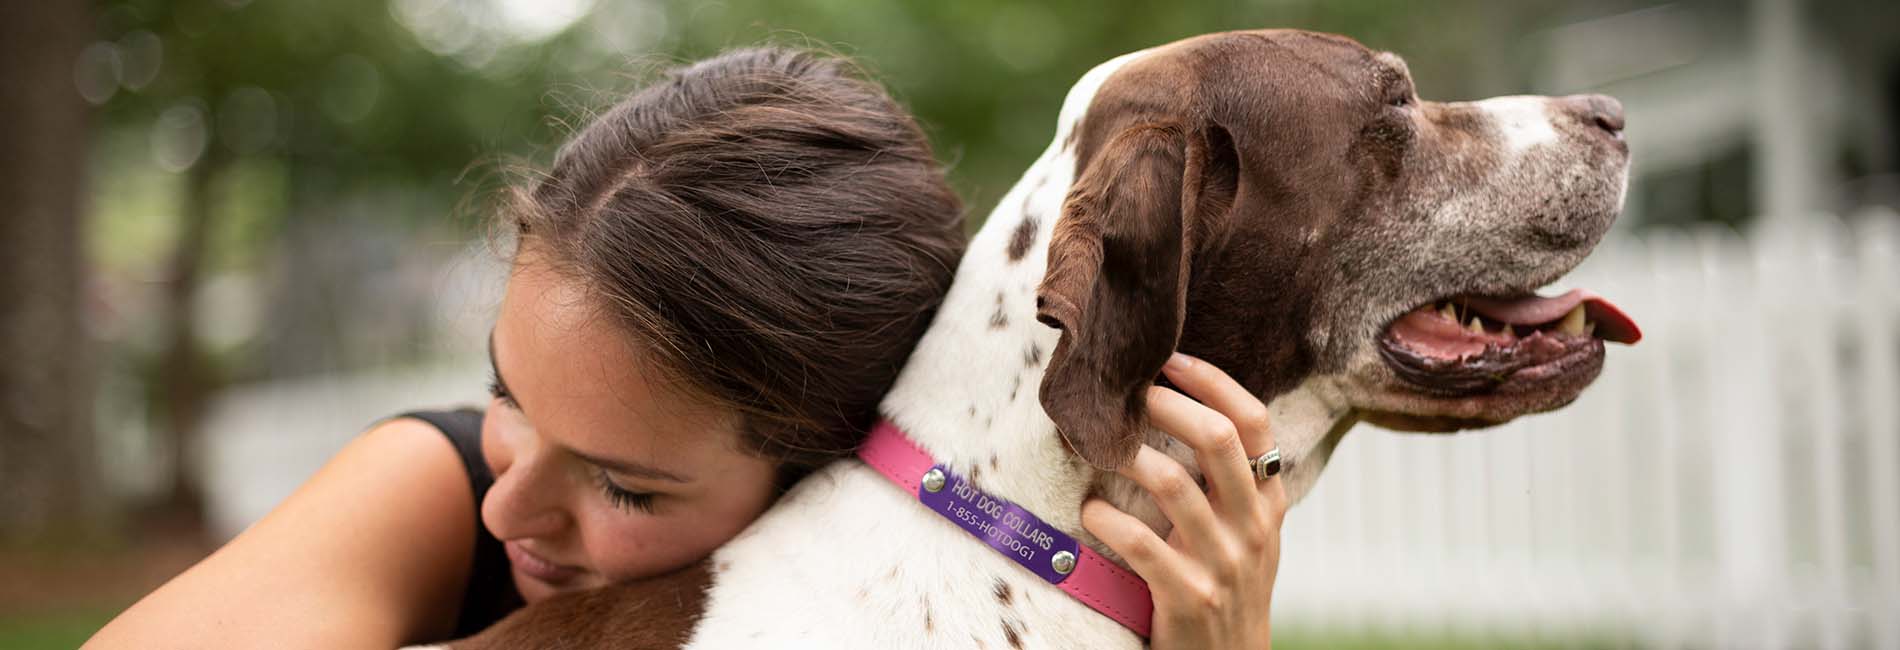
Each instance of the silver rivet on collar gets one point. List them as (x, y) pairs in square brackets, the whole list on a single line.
[(933, 480), (1063, 562)]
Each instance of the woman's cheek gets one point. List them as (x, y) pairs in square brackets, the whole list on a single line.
[(640, 545), (630, 545)]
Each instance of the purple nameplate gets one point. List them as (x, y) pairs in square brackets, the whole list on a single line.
[(1016, 533)]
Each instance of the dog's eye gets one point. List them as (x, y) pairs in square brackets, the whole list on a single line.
[(1401, 101)]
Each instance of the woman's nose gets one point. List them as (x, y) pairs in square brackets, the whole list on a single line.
[(526, 499), (520, 506)]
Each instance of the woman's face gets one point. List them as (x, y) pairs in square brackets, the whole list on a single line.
[(602, 472)]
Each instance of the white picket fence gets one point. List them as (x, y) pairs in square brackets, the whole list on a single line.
[(1733, 481)]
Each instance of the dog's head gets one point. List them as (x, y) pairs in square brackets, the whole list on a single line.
[(1282, 204)]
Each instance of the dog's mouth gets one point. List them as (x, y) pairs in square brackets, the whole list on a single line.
[(1472, 345)]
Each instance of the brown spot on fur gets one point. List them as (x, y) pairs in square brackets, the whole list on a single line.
[(994, 461), (998, 319), (1010, 634), (1002, 592), (1020, 240), (1032, 356)]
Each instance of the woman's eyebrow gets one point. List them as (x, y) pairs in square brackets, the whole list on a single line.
[(623, 467), (633, 469)]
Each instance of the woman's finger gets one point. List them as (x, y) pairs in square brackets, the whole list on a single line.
[(1175, 490), (1135, 542), (1220, 392), (1204, 382), (1215, 441)]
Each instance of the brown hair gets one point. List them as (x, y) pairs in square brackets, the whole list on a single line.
[(771, 227)]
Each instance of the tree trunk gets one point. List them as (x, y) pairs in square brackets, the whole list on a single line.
[(49, 463), (187, 375)]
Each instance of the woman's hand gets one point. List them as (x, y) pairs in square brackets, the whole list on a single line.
[(1212, 579)]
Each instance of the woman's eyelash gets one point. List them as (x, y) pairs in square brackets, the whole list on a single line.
[(622, 498), (495, 390)]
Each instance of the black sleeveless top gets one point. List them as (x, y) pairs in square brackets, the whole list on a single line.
[(491, 587)]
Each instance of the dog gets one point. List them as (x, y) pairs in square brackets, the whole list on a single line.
[(1279, 203)]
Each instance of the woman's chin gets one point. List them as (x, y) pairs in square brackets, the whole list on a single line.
[(535, 589)]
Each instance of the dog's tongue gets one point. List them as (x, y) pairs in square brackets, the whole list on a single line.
[(1612, 323)]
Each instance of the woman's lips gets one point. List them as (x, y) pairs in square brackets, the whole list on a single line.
[(537, 567)]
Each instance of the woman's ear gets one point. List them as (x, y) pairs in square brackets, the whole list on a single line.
[(1117, 281)]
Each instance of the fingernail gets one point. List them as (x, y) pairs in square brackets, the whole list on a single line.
[(1179, 361)]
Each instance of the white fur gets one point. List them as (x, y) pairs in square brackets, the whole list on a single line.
[(1524, 120)]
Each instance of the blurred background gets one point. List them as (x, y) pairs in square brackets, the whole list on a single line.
[(240, 231)]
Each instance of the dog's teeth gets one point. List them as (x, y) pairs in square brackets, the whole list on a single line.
[(1573, 322), (1448, 312), (1474, 326)]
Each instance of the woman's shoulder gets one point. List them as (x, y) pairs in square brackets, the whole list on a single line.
[(379, 536), (463, 429)]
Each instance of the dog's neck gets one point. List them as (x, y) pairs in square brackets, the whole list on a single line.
[(968, 395)]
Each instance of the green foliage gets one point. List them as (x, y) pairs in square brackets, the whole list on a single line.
[(353, 96)]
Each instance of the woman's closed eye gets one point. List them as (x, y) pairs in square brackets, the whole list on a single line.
[(623, 498), (500, 392)]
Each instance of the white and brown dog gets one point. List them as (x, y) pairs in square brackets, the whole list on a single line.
[(1279, 203)]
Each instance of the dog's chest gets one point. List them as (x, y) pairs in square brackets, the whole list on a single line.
[(848, 560)]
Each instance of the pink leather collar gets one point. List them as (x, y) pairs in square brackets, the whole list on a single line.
[(1015, 533)]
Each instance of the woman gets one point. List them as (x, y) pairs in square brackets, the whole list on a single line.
[(711, 290)]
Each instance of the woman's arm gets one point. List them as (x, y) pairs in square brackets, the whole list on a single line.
[(373, 551), (1212, 579)]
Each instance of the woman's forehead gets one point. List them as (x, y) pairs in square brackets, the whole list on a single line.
[(585, 380)]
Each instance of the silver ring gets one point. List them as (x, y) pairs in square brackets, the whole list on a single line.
[(1267, 465)]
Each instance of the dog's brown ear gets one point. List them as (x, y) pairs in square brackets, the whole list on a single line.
[(1118, 279)]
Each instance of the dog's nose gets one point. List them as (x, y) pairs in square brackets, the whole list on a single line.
[(1600, 111)]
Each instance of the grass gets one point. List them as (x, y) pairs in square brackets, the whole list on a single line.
[(64, 629), (1374, 640)]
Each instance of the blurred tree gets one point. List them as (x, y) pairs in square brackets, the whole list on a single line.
[(344, 107), (49, 469)]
